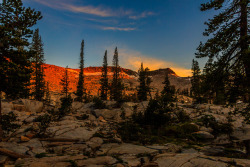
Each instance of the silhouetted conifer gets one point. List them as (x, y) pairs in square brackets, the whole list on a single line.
[(168, 93), (47, 94), (228, 47), (15, 67), (104, 78), (144, 87), (65, 83), (116, 85), (196, 81), (38, 62), (80, 92), (66, 101)]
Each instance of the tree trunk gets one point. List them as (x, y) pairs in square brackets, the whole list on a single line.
[(244, 41)]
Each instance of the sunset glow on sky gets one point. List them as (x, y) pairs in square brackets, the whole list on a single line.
[(162, 33)]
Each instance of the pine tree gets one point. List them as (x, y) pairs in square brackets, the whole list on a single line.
[(145, 81), (66, 101), (116, 86), (38, 62), (148, 82), (142, 92), (104, 78), (214, 86), (167, 94), (229, 44), (65, 83), (15, 68), (80, 86), (47, 94), (196, 81)]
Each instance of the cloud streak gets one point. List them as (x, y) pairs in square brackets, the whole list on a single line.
[(142, 15), (119, 28), (92, 10), (132, 59), (60, 5)]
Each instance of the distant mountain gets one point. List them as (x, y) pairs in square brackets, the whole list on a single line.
[(158, 77), (162, 72), (53, 75)]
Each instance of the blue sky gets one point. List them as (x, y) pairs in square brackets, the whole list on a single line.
[(161, 33)]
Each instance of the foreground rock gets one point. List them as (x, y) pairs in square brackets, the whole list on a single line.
[(88, 137)]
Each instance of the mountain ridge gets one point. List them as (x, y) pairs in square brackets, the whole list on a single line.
[(92, 75)]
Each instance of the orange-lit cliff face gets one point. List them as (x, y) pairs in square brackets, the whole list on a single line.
[(54, 74)]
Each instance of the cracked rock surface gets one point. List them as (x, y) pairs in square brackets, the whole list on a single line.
[(94, 141)]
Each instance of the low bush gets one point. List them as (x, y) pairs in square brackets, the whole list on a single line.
[(98, 103), (66, 103), (7, 123), (218, 128), (156, 125), (44, 121), (182, 116), (41, 155), (82, 117)]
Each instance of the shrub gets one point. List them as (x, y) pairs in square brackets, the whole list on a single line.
[(182, 116), (44, 123), (82, 117), (41, 155), (123, 114), (181, 131), (65, 108), (218, 128), (73, 163), (7, 122), (98, 103)]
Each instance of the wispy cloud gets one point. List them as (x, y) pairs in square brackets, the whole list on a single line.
[(142, 15), (87, 9), (98, 11), (93, 10), (132, 59), (119, 28)]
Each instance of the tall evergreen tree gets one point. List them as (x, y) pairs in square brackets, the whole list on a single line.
[(80, 86), (207, 86), (145, 81), (116, 86), (15, 67), (148, 82), (196, 81), (142, 92), (65, 83), (38, 62), (168, 93), (47, 94), (213, 85), (104, 78), (66, 101), (229, 44)]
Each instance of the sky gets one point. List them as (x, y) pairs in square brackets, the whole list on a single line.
[(159, 33)]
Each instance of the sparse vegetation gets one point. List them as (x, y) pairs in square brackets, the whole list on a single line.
[(41, 155), (44, 121), (98, 103), (8, 123), (82, 117), (218, 128)]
